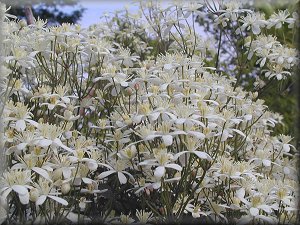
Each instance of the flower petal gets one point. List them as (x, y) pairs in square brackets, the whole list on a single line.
[(59, 200), (66, 172), (92, 165), (20, 125), (239, 132), (174, 166), (45, 143), (254, 211), (197, 134), (21, 190), (21, 146), (41, 199), (24, 199), (240, 193), (176, 156), (122, 178), (168, 140), (266, 162), (87, 180), (286, 147), (60, 144), (5, 192), (202, 155), (160, 171), (41, 172), (105, 174)]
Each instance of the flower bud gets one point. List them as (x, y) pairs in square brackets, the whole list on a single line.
[(34, 194), (136, 86), (193, 174), (65, 188), (128, 91), (68, 114), (68, 134), (22, 23), (82, 203), (57, 174), (147, 191)]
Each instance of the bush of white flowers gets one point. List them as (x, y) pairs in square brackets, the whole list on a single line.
[(133, 121)]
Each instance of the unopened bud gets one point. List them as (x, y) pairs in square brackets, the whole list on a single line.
[(193, 174), (34, 194), (57, 174), (136, 86), (65, 188), (128, 91), (147, 191), (22, 23)]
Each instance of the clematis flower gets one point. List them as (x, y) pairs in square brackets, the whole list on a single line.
[(143, 216), (253, 21), (54, 102), (20, 114), (45, 189), (126, 58), (255, 206), (29, 162), (186, 115), (68, 116), (164, 131), (27, 138), (49, 135), (278, 19), (192, 144), (194, 210), (18, 181), (118, 168), (22, 57), (62, 166), (163, 160)]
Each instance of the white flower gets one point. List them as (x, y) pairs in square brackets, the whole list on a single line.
[(276, 71), (164, 131), (294, 21), (21, 57), (126, 58), (253, 21), (192, 145), (143, 216), (46, 190), (20, 115), (194, 210), (6, 15), (29, 162), (68, 116), (62, 167), (278, 19), (187, 115), (24, 139), (54, 102), (162, 160), (17, 181), (50, 135), (119, 169)]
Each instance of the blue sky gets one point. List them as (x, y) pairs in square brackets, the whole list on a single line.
[(94, 9)]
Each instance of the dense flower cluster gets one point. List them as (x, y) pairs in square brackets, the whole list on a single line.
[(131, 112)]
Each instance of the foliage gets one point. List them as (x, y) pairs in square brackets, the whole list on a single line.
[(52, 13), (285, 103)]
